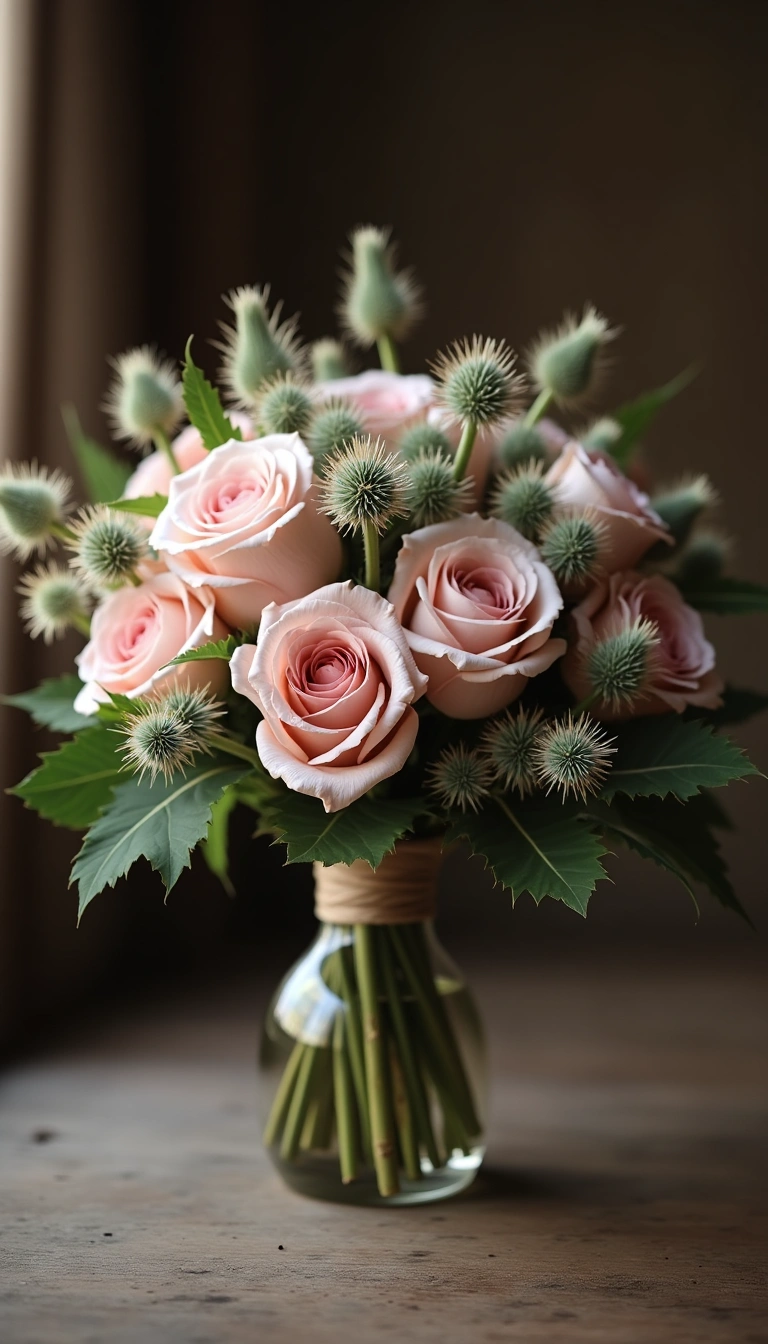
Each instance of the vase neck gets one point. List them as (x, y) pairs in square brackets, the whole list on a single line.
[(402, 890)]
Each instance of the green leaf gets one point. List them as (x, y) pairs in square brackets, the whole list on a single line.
[(73, 784), (215, 847), (726, 596), (149, 506), (544, 849), (204, 406), (51, 704), (161, 822), (367, 829), (104, 475), (637, 416), (670, 755), (218, 648), (739, 704)]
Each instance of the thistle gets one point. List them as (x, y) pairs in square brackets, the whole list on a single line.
[(32, 507), (53, 603), (107, 547), (571, 546), (704, 557), (329, 360), (380, 304), (258, 346), (284, 406), (509, 743), (144, 399), (573, 756), (364, 490), (197, 711), (433, 494), (478, 386), (619, 666), (681, 506), (566, 365), (423, 438), (523, 499), (157, 741), (460, 778), (522, 443), (333, 426), (602, 436)]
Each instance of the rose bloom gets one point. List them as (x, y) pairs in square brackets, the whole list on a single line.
[(683, 664), (387, 403), (335, 680), (590, 480), (244, 522), (477, 605), (136, 632), (153, 475)]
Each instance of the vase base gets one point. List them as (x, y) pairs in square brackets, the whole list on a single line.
[(317, 1177)]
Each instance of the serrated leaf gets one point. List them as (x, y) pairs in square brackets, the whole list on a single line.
[(217, 648), (670, 755), (104, 474), (637, 416), (215, 846), (544, 849), (739, 704), (73, 784), (204, 406), (161, 822), (367, 829), (148, 506), (52, 704), (726, 596)]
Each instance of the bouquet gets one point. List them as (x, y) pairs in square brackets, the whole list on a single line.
[(387, 612)]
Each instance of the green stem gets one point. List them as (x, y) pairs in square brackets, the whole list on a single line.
[(344, 1099), (376, 1066), (464, 450), (388, 354), (283, 1096), (586, 703), (234, 748), (535, 412), (63, 532), (404, 1120), (413, 1080), (354, 1033), (372, 557), (83, 624), (163, 443), (303, 1093)]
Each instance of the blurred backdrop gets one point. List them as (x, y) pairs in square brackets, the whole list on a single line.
[(529, 157)]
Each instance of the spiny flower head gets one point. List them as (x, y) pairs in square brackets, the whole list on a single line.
[(704, 556), (569, 361), (681, 506), (157, 741), (258, 345), (284, 406), (378, 299), (573, 755), (477, 381), (619, 666), (53, 601), (522, 443), (329, 360), (433, 494), (32, 502), (602, 436), (106, 546), (144, 398), (509, 742), (364, 484), (523, 499), (423, 438), (196, 709), (334, 425), (460, 778), (571, 547)]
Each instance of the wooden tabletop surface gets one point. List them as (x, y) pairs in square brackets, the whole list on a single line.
[(623, 1198)]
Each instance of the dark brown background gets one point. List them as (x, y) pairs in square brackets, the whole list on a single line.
[(530, 157)]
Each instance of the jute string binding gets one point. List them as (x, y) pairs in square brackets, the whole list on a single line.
[(402, 890)]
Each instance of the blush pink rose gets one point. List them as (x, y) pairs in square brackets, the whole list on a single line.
[(590, 480), (153, 475), (477, 605), (136, 632), (245, 523), (334, 678), (683, 666), (388, 403)]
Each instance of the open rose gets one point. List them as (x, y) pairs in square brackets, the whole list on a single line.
[(334, 678), (477, 605), (244, 523), (387, 403), (153, 475), (682, 670), (136, 632), (589, 480)]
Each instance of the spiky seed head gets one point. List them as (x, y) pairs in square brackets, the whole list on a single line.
[(378, 299), (569, 361), (106, 546), (619, 667), (32, 501), (573, 755), (157, 741), (602, 436), (681, 506), (571, 546), (53, 601), (334, 425), (329, 360), (364, 484), (198, 711), (284, 406), (476, 381), (461, 778), (522, 443), (433, 495), (144, 397), (704, 556), (509, 742), (523, 499), (257, 346), (423, 438)]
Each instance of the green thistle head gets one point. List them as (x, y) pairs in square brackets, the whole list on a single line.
[(433, 494), (106, 546), (460, 778), (476, 381), (602, 436), (53, 602), (510, 743), (573, 756), (198, 712), (681, 506), (571, 547), (523, 499), (258, 346), (569, 362), (619, 666), (704, 557), (32, 502), (144, 398), (364, 484), (335, 424), (522, 443), (378, 299), (423, 438), (329, 360), (284, 406), (157, 741)]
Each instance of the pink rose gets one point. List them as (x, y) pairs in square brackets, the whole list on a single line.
[(590, 480), (334, 678), (683, 667), (136, 632), (477, 605), (244, 523), (153, 475), (387, 403)]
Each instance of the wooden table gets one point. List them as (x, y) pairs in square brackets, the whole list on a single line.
[(623, 1199)]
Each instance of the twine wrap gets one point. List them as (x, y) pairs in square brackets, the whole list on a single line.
[(402, 890)]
